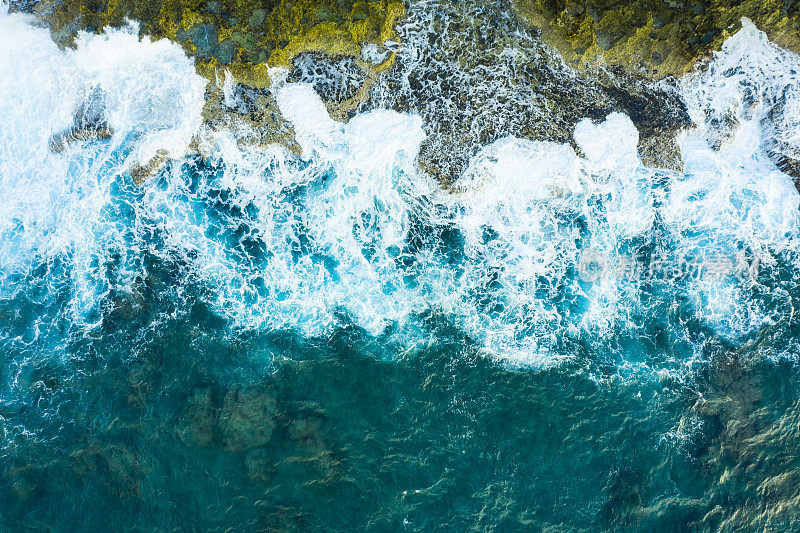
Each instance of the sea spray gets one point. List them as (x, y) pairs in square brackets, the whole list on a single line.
[(59, 205)]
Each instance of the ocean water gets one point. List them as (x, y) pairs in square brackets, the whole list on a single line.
[(564, 337)]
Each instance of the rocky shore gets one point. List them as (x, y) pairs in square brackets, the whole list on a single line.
[(654, 38), (454, 63)]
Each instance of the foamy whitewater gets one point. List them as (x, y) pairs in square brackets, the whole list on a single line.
[(353, 230), (197, 333)]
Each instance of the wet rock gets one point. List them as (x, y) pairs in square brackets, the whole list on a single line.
[(335, 79), (781, 142), (325, 13), (473, 83), (89, 123), (653, 38), (251, 114), (203, 37), (248, 418), (257, 17)]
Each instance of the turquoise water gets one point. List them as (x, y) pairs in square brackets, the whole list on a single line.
[(367, 435), (255, 340)]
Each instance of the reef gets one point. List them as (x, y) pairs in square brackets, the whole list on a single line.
[(654, 38)]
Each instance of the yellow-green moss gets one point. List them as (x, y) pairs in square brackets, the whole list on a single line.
[(653, 37), (262, 33)]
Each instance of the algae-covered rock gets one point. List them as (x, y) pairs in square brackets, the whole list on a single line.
[(248, 418), (121, 467), (200, 418), (475, 74), (244, 36), (655, 38), (259, 464), (245, 420)]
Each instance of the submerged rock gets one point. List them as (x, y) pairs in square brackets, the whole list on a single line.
[(200, 418), (248, 418), (121, 467)]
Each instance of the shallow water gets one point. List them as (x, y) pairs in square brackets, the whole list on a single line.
[(565, 337)]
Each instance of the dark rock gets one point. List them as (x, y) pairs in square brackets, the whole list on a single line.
[(248, 418)]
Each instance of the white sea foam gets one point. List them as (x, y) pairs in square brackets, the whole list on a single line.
[(56, 206), (331, 227), (351, 228), (732, 196), (732, 188)]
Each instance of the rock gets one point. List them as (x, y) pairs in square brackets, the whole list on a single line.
[(259, 464), (653, 38), (225, 51), (471, 90), (257, 17), (336, 79), (23, 482), (118, 466), (89, 122), (325, 13), (278, 30), (248, 418), (200, 418)]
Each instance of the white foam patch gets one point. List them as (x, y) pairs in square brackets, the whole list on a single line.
[(527, 210), (57, 206), (732, 197), (610, 147), (736, 191), (536, 170), (151, 89), (331, 228)]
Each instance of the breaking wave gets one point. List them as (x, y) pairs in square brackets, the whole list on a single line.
[(353, 230)]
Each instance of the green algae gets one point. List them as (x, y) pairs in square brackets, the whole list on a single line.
[(241, 35), (652, 37)]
